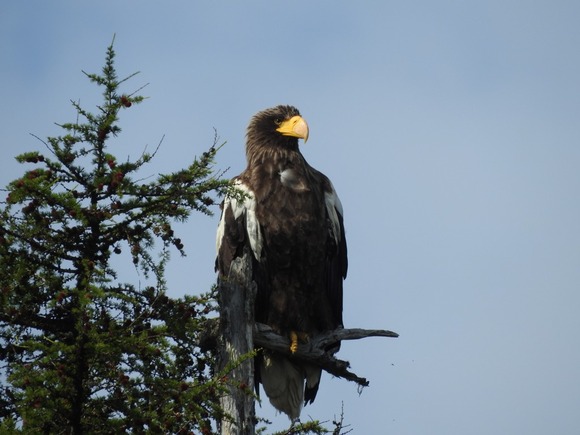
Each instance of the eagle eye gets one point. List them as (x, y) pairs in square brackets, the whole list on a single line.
[(277, 121)]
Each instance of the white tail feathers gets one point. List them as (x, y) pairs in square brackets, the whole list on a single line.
[(283, 382)]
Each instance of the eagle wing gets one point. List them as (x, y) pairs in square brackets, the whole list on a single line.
[(336, 259), (238, 227)]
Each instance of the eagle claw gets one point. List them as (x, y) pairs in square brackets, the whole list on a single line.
[(294, 337)]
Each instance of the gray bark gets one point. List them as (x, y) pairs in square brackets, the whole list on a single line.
[(236, 300)]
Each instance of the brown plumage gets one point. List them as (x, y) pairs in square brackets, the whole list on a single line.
[(293, 223)]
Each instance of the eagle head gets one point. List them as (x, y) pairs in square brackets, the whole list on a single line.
[(279, 126)]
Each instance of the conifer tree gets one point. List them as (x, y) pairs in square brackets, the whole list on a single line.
[(80, 351)]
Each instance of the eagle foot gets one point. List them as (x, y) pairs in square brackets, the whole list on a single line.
[(294, 337)]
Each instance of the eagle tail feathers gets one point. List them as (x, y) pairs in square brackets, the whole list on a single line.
[(285, 386), (313, 375)]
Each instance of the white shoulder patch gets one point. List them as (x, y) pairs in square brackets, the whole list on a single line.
[(246, 208)]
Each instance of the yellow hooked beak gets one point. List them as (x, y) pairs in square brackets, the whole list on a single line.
[(295, 127)]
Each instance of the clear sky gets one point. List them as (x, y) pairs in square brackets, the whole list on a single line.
[(451, 130)]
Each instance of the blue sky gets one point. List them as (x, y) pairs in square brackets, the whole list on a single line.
[(451, 132)]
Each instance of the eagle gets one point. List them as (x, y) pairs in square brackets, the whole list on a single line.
[(291, 219)]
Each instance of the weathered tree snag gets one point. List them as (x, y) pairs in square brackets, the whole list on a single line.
[(236, 300)]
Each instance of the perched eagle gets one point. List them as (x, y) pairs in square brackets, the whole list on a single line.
[(292, 220)]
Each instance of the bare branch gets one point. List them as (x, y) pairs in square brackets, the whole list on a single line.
[(317, 351)]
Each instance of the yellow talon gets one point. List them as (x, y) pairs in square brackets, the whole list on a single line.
[(293, 341), (294, 337)]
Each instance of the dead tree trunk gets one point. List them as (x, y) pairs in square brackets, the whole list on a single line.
[(236, 300)]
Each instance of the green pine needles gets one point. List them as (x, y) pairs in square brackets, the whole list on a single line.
[(81, 352)]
